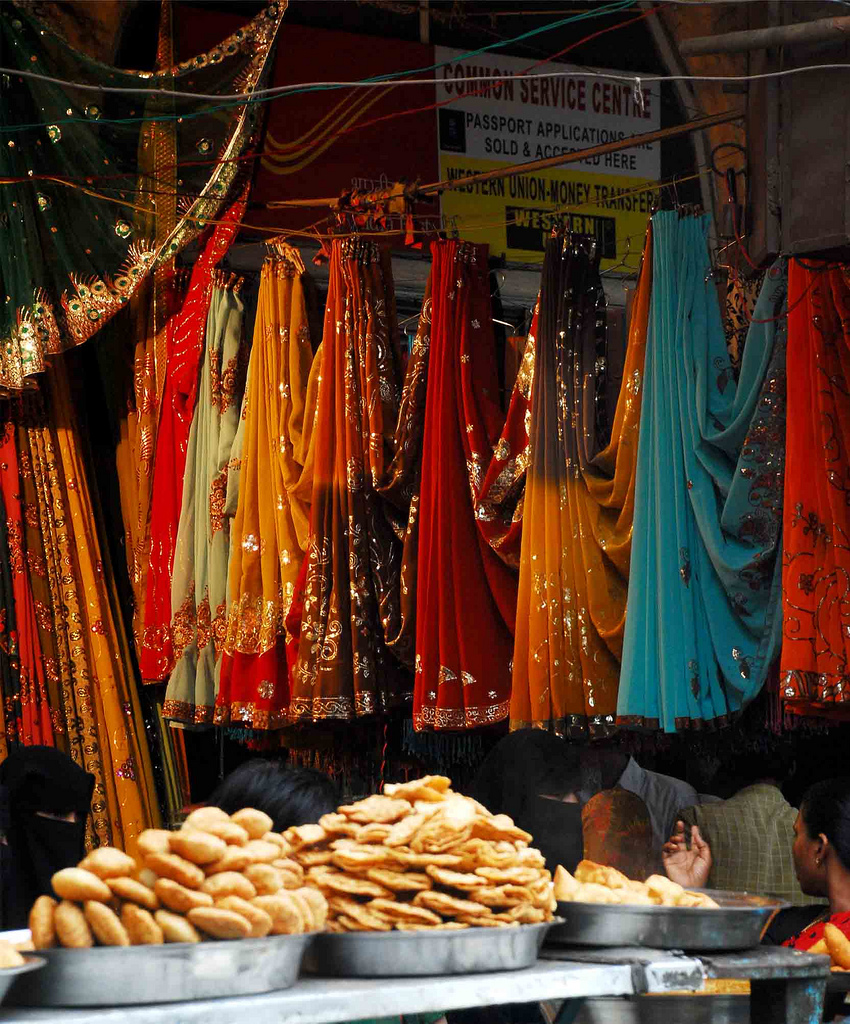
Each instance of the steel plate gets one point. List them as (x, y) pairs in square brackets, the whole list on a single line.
[(417, 954), (8, 975), (716, 1009), (175, 972), (737, 924)]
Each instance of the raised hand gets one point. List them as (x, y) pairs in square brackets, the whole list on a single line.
[(689, 867)]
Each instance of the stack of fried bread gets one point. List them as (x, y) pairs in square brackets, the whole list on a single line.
[(219, 877), (595, 883), (836, 946), (422, 857)]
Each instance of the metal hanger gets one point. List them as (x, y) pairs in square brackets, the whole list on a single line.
[(622, 263)]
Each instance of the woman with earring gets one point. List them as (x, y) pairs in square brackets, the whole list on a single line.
[(821, 852)]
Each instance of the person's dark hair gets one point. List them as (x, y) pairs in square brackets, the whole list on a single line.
[(826, 811), (288, 794), (752, 766)]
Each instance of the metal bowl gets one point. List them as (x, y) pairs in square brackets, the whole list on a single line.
[(738, 923), (174, 972), (417, 954), (8, 975)]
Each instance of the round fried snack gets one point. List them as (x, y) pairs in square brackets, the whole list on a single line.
[(259, 919), (429, 787), (154, 840), (147, 877), (9, 956), (206, 818), (261, 852), (72, 928), (502, 895), (514, 876), (175, 927), (313, 858), (256, 823), (41, 922), (338, 825), (407, 912), (198, 847), (349, 885), (265, 879), (141, 926), (229, 831), (403, 831), (455, 879), (305, 909), (284, 912), (362, 857), (108, 862), (365, 919), (374, 833), (234, 859), (450, 906), (105, 924), (318, 904), (220, 924), (228, 883), (292, 872), (382, 809), (135, 892), (399, 881), (169, 865), (178, 898), (78, 885), (838, 945), (422, 860)]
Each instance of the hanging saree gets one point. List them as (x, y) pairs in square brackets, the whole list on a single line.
[(466, 594), (72, 256), (199, 579), (579, 500), (815, 673), (703, 624), (27, 707), (352, 581), (97, 699), (271, 463), (156, 657)]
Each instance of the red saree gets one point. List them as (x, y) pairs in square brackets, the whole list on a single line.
[(816, 531), (178, 405), (466, 594)]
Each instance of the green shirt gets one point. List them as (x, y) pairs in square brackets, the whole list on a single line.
[(750, 838)]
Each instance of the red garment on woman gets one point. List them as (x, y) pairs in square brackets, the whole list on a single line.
[(810, 936), (35, 725), (466, 594), (178, 405)]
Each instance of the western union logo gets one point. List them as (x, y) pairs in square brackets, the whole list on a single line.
[(528, 229)]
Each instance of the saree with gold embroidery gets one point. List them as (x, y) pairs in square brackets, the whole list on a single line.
[(272, 469), (199, 578), (345, 668), (579, 499)]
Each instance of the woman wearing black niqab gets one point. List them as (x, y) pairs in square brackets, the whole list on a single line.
[(44, 801)]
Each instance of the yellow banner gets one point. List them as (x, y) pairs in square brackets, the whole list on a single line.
[(516, 215)]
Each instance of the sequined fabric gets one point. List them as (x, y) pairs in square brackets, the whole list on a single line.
[(199, 578), (466, 593), (703, 621), (578, 500), (815, 673), (269, 487), (344, 668)]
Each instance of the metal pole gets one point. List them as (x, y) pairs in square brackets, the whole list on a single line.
[(822, 30)]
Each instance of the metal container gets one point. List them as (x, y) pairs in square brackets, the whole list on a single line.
[(8, 975), (175, 972), (696, 1009), (737, 924), (418, 954)]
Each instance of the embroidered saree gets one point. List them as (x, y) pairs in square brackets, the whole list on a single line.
[(579, 500), (271, 463), (72, 258), (465, 593), (199, 578), (815, 677), (156, 657), (703, 625), (344, 668)]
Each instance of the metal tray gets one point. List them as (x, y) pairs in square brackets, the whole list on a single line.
[(8, 975), (174, 972), (417, 954), (695, 1009), (737, 924)]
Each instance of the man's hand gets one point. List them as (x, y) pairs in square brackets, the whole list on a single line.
[(690, 868)]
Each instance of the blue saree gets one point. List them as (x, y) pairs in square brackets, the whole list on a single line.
[(703, 617)]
